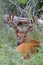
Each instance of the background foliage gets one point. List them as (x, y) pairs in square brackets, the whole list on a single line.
[(8, 40)]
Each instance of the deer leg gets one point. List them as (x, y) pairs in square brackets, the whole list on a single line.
[(27, 56)]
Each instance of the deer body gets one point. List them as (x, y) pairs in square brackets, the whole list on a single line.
[(28, 47)]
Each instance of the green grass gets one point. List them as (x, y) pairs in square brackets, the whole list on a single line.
[(8, 54)]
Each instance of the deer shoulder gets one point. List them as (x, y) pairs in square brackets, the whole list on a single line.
[(27, 48)]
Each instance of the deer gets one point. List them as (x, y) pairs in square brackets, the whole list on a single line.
[(26, 45)]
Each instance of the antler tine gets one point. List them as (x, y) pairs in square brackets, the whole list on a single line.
[(9, 20), (29, 28), (14, 25)]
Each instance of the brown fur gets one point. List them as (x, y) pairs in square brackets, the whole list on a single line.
[(26, 48)]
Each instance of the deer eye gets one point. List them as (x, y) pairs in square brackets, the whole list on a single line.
[(24, 36)]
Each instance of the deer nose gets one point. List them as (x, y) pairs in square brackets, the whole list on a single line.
[(18, 43)]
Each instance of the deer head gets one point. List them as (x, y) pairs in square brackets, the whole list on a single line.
[(20, 33)]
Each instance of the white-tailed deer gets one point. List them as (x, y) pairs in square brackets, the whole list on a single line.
[(26, 44)]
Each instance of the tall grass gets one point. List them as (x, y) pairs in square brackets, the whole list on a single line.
[(8, 40)]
